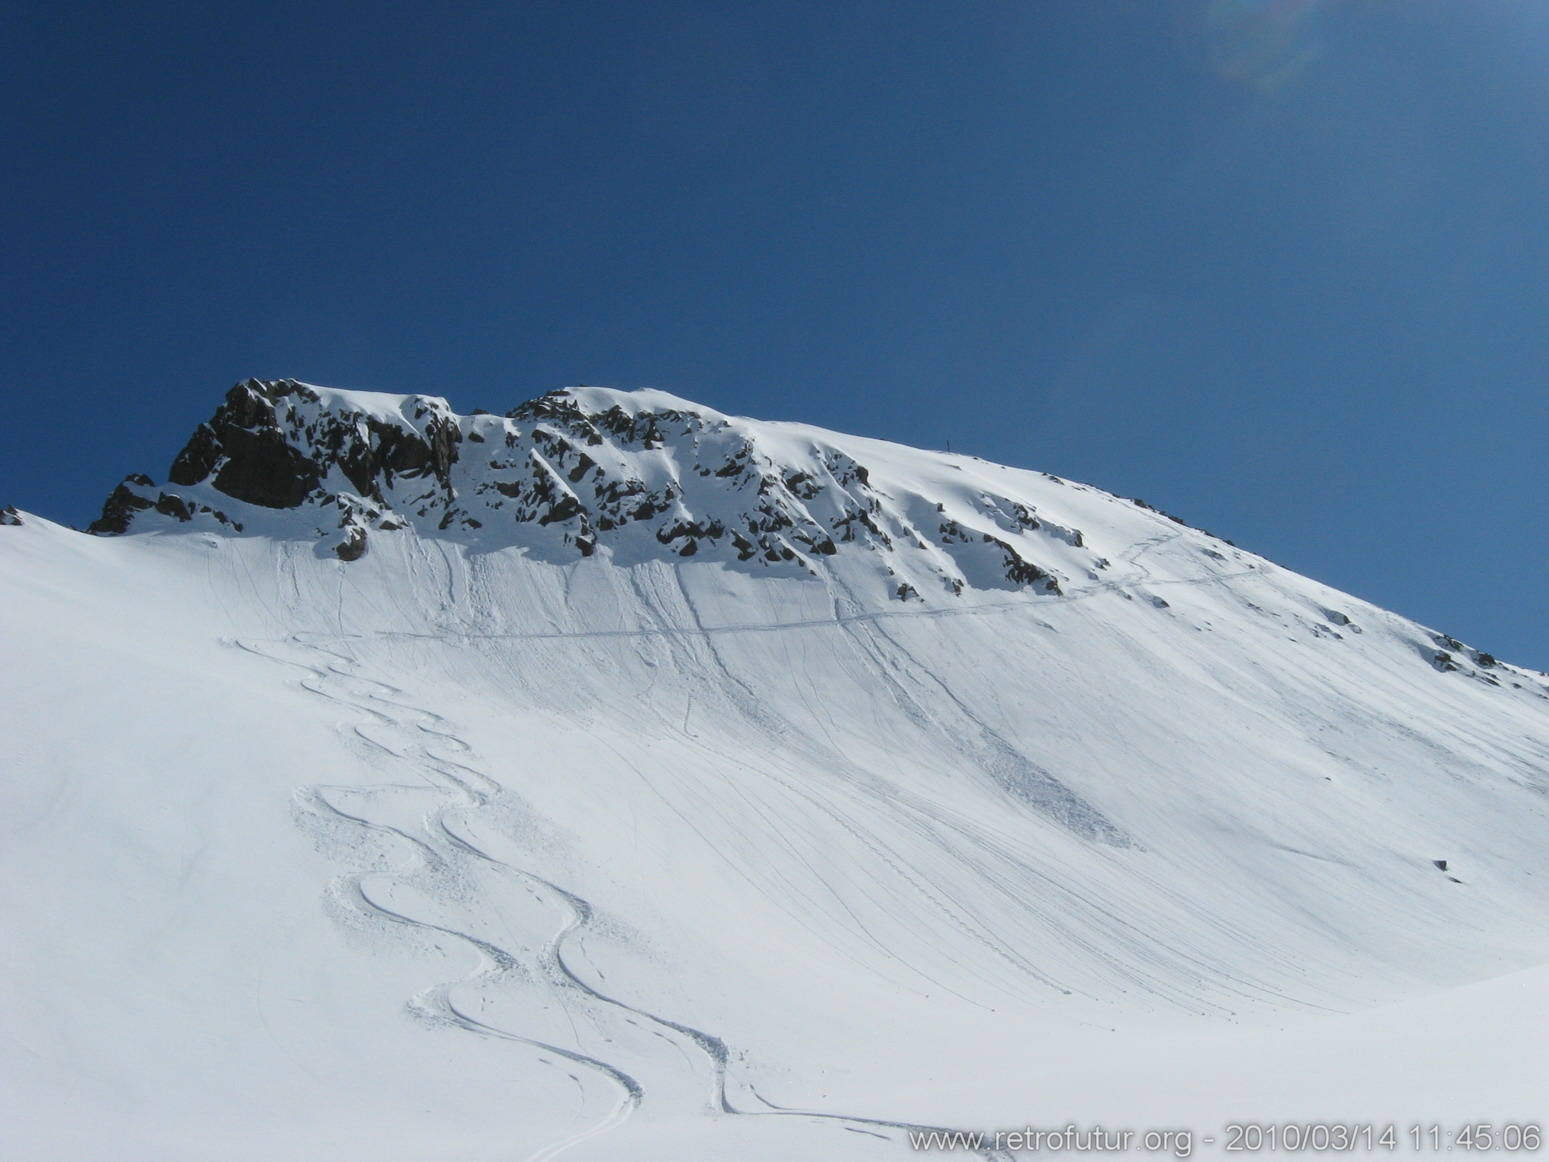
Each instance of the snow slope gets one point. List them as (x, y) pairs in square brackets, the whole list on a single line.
[(619, 779)]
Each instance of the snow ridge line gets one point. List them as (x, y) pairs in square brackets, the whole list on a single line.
[(464, 788)]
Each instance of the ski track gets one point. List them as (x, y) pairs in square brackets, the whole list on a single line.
[(1118, 585), (331, 673)]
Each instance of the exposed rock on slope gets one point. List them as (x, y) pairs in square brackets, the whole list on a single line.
[(575, 470)]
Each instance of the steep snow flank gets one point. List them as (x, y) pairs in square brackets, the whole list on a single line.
[(477, 844)]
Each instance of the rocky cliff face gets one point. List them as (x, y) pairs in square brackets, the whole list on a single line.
[(274, 445), (636, 473)]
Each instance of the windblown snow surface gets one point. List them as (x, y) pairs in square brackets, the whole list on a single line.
[(1030, 807)]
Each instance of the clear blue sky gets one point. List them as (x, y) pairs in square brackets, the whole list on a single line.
[(1278, 266)]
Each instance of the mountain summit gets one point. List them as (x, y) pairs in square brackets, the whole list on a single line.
[(638, 472), (617, 778)]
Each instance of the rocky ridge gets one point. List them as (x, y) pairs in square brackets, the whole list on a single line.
[(637, 473)]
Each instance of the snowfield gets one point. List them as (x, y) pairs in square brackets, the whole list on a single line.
[(361, 832)]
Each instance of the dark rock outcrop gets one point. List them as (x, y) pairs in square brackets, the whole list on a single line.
[(568, 473), (255, 456), (353, 547), (119, 509)]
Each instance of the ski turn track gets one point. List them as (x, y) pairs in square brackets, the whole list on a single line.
[(423, 859)]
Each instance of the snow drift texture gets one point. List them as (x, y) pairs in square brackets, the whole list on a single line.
[(615, 778)]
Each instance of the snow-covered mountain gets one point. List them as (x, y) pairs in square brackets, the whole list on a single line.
[(641, 473), (615, 778)]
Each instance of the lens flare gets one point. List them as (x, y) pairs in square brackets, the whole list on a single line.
[(1263, 43)]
